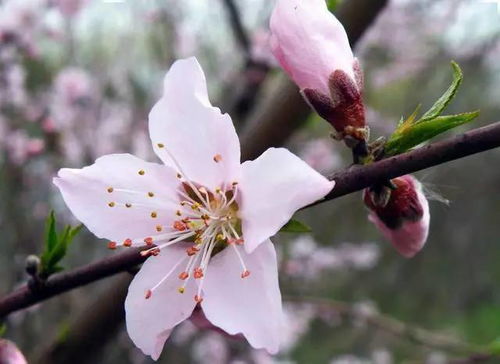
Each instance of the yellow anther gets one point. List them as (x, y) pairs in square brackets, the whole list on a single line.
[(181, 289), (160, 145), (111, 204), (151, 194), (195, 206), (159, 228), (128, 205), (154, 214), (219, 237), (218, 190), (110, 189), (217, 158), (141, 172)]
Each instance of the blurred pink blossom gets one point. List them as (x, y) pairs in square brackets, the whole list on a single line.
[(20, 146), (70, 8), (320, 155)]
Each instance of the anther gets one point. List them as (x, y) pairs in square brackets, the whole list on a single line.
[(245, 274), (127, 243), (110, 189), (179, 225), (112, 245), (151, 194), (192, 251), (198, 273), (184, 275), (159, 228), (111, 204), (217, 158), (198, 299), (160, 145), (141, 172), (234, 183), (148, 294), (148, 241), (178, 213), (180, 289), (179, 176), (128, 205), (154, 214)]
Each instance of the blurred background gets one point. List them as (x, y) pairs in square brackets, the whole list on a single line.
[(77, 80)]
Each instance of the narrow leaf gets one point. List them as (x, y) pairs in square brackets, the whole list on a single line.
[(50, 231), (423, 131), (295, 226), (444, 100)]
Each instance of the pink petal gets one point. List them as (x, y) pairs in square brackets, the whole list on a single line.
[(150, 321), (86, 193), (193, 131), (250, 306), (310, 43), (273, 187)]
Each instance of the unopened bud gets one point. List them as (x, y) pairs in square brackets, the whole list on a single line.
[(401, 213), (32, 264)]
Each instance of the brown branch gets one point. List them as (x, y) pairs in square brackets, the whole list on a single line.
[(355, 179), (469, 143)]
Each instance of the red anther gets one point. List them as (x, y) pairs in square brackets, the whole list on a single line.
[(245, 274), (179, 225), (148, 241), (127, 242), (198, 299), (239, 241), (112, 245), (183, 275), (198, 273), (192, 250), (148, 294)]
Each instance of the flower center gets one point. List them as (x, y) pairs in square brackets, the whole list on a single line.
[(208, 219)]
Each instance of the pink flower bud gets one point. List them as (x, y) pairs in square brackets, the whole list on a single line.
[(312, 47), (402, 214)]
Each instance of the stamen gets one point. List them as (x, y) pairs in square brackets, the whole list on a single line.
[(112, 245), (179, 225), (217, 158), (154, 214), (110, 189), (184, 275), (148, 241), (148, 294), (245, 274), (127, 243), (198, 273), (141, 172), (198, 299), (159, 228), (166, 276), (181, 289), (160, 145), (128, 205), (111, 204)]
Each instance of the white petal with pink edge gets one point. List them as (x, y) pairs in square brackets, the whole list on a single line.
[(116, 196), (150, 320), (251, 305), (273, 187), (191, 135)]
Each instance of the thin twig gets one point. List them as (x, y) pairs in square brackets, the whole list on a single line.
[(237, 26)]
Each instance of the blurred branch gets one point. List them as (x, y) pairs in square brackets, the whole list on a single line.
[(237, 25), (284, 110), (391, 325), (355, 179)]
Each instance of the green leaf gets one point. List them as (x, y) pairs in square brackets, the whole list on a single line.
[(425, 130), (444, 100), (295, 226), (3, 329), (50, 231), (332, 4), (56, 246)]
